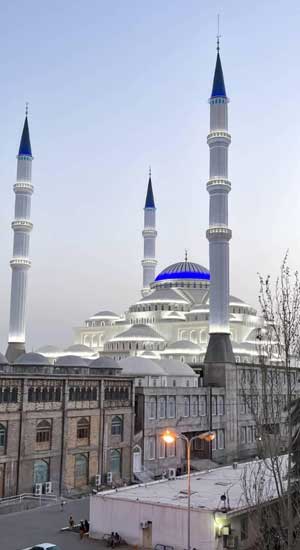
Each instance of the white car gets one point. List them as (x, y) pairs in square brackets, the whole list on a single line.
[(43, 546)]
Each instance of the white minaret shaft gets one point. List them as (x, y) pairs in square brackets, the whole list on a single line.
[(149, 234), (218, 187), (20, 262)]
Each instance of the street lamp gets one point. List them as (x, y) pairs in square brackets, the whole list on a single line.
[(170, 437)]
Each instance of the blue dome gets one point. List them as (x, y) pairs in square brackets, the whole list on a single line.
[(184, 270)]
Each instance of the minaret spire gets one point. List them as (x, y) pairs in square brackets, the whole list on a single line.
[(149, 234), (20, 262), (219, 346)]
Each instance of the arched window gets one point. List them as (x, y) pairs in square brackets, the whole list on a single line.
[(14, 395), (71, 394), (89, 393), (116, 425), (172, 407), (38, 395), (82, 394), (186, 407), (44, 394), (77, 394), (152, 412), (162, 408), (115, 461), (2, 436), (83, 428), (6, 395), (31, 395), (40, 471), (194, 406), (51, 393), (81, 470), (94, 393), (57, 394), (43, 431)]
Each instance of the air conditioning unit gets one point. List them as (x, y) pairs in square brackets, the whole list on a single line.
[(98, 480), (38, 489), (48, 487), (109, 478), (144, 524), (172, 473)]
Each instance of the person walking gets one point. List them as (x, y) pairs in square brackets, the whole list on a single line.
[(71, 522), (81, 529), (86, 526)]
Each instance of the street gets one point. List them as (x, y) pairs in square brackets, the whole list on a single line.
[(22, 529)]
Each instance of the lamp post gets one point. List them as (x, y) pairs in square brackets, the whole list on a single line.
[(170, 437)]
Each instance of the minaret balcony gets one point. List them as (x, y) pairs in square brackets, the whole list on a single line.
[(149, 262), (218, 184), (218, 136), (20, 263), (219, 232), (23, 187), (22, 225), (148, 232)]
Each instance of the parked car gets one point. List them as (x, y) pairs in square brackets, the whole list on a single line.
[(43, 546)]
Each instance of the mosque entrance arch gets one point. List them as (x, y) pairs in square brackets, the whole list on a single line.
[(137, 459)]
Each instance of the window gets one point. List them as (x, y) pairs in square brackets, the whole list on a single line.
[(2, 436), (194, 406), (81, 470), (214, 404), (174, 381), (161, 448), (151, 448), (57, 394), (214, 443), (43, 432), (221, 405), (31, 395), (45, 394), (152, 412), (40, 471), (83, 428), (186, 407), (14, 395), (221, 439), (172, 407), (202, 405), (115, 461), (162, 408), (243, 404), (116, 425), (71, 394), (243, 434), (171, 449)]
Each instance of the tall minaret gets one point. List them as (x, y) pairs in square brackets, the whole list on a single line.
[(219, 347), (20, 262), (149, 234)]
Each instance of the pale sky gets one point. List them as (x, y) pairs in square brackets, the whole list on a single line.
[(114, 86)]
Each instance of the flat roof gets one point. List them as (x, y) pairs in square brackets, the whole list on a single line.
[(206, 488)]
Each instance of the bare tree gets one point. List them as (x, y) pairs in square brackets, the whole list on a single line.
[(271, 397)]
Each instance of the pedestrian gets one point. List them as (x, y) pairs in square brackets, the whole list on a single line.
[(112, 540), (86, 526), (61, 504), (117, 538), (81, 529), (71, 522)]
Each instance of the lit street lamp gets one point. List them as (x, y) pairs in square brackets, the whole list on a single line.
[(169, 437)]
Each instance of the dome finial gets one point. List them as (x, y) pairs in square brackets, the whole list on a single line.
[(26, 108), (218, 35), (185, 255), (149, 172)]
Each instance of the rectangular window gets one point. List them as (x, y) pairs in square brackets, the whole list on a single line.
[(194, 406), (214, 443), (171, 449), (221, 405), (243, 404), (214, 405), (249, 434), (151, 448), (161, 448), (243, 434), (203, 405), (221, 439)]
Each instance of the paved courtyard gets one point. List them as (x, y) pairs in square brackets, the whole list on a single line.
[(22, 529)]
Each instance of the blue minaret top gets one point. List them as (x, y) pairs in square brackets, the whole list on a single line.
[(25, 146), (218, 89), (149, 198)]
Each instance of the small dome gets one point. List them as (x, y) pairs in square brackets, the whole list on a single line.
[(71, 361), (105, 315), (105, 363), (138, 332), (3, 360), (184, 270), (172, 367), (140, 366), (78, 348), (48, 349), (34, 359), (184, 346)]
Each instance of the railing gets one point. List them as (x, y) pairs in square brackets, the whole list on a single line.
[(18, 499)]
